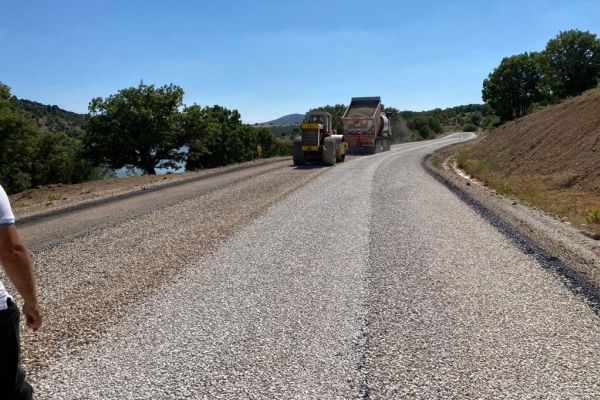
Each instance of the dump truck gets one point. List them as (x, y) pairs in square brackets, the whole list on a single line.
[(319, 142), (367, 128)]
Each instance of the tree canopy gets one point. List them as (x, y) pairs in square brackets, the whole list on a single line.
[(18, 134), (30, 157), (568, 66), (571, 63), (138, 126), (513, 86)]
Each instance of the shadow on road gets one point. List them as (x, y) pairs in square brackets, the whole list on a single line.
[(310, 166)]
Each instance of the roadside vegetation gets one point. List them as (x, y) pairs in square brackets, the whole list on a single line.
[(579, 207), (143, 127), (32, 156), (522, 83), (547, 159), (548, 156)]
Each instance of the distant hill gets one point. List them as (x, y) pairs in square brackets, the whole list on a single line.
[(291, 119), (52, 118)]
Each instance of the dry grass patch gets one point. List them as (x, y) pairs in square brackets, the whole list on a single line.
[(561, 199)]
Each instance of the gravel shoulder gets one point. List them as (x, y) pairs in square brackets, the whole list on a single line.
[(578, 256)]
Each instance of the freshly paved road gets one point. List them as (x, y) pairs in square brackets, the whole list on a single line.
[(371, 281)]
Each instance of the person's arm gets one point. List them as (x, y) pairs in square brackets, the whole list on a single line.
[(17, 264)]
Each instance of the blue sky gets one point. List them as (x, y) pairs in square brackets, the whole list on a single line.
[(271, 58)]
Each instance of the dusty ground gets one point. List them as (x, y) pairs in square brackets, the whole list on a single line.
[(45, 198), (548, 159)]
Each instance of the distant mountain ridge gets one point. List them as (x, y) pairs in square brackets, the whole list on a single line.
[(52, 118), (290, 119)]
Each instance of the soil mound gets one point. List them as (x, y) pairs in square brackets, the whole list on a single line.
[(559, 146)]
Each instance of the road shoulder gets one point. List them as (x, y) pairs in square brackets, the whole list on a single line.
[(557, 245)]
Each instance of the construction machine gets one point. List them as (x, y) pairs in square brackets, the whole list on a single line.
[(367, 128), (319, 142)]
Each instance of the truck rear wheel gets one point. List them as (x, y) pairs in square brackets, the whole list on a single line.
[(297, 153), (329, 151)]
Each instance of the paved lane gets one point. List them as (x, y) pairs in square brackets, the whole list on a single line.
[(372, 281)]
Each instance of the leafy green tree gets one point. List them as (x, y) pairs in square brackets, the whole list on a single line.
[(216, 136), (60, 158), (201, 133), (18, 136), (31, 157), (513, 86), (138, 126), (420, 125), (571, 63)]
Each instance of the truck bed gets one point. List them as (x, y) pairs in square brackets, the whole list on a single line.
[(362, 107)]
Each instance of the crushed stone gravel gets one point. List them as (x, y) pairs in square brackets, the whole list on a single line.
[(370, 281)]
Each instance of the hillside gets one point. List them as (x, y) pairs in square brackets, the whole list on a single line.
[(52, 118), (290, 119), (560, 145), (549, 158)]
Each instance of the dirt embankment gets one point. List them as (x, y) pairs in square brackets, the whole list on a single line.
[(550, 159)]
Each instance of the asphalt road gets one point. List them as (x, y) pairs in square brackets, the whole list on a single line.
[(372, 280)]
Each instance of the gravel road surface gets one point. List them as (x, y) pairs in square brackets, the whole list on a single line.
[(366, 280)]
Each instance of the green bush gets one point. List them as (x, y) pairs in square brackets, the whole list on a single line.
[(469, 127)]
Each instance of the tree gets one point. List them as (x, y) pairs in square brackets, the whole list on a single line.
[(571, 63), (216, 136), (138, 126), (30, 156), (513, 86), (200, 133), (475, 119), (434, 124), (18, 136), (60, 159)]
